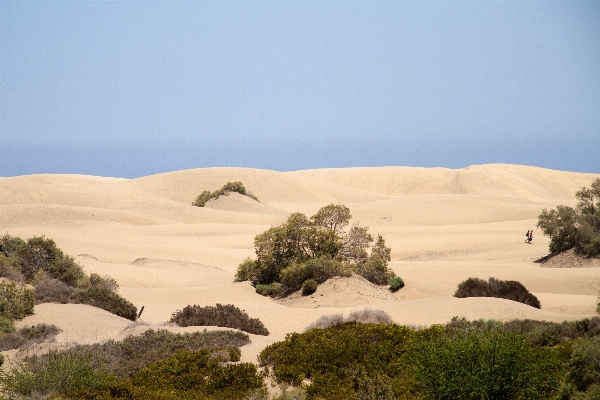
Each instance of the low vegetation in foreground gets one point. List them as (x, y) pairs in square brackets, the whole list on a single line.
[(221, 315), (56, 278), (575, 228), (229, 187), (510, 290), (304, 252), (363, 356)]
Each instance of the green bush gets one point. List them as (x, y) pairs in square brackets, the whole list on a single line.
[(226, 316), (309, 287), (577, 228), (105, 299), (366, 316), (57, 372), (316, 269), (396, 283), (16, 301), (198, 372), (583, 376), (7, 325), (510, 290), (229, 187), (274, 289), (375, 270)]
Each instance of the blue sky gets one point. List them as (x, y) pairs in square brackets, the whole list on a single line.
[(134, 88)]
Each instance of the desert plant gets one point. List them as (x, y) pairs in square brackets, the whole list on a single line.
[(104, 282), (52, 291), (39, 332), (309, 287), (577, 227), (101, 297), (10, 341), (220, 315), (16, 301), (7, 325), (582, 380), (375, 270), (396, 283), (510, 290), (316, 269), (366, 316), (274, 289), (229, 187)]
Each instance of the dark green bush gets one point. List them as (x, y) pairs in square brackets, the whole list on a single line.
[(396, 283), (52, 291), (316, 269), (136, 352), (583, 376), (229, 187), (510, 290), (274, 289), (309, 287), (374, 270), (105, 299), (16, 301), (7, 325), (221, 315), (198, 372)]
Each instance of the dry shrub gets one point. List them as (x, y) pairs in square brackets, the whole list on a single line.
[(366, 316), (510, 290), (52, 291), (28, 334), (101, 297), (10, 341), (226, 316)]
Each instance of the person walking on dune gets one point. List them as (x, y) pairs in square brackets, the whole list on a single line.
[(527, 237), (530, 236)]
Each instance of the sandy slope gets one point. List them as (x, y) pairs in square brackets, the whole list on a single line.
[(443, 226)]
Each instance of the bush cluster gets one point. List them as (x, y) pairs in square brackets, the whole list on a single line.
[(366, 316), (229, 187), (221, 315), (396, 283), (510, 290), (56, 277), (578, 227), (315, 248), (156, 364), (16, 301), (27, 335)]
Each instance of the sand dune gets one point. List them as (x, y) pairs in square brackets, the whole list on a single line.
[(443, 226)]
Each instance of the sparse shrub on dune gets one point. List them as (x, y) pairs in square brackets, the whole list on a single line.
[(309, 287), (107, 300), (315, 248), (27, 335), (510, 290), (229, 187), (16, 301), (366, 316), (221, 315), (396, 283), (52, 291), (274, 289)]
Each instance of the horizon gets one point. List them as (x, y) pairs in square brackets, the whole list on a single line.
[(126, 90)]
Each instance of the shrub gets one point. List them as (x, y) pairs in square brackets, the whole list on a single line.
[(198, 372), (582, 380), (10, 341), (39, 332), (316, 269), (56, 372), (52, 291), (225, 316), (229, 187), (309, 287), (104, 282), (396, 283), (374, 270), (105, 299), (274, 289), (16, 301), (366, 316), (510, 290), (7, 325)]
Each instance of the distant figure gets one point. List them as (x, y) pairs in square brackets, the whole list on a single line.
[(527, 236), (530, 236)]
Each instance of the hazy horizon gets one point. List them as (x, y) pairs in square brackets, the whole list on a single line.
[(130, 89)]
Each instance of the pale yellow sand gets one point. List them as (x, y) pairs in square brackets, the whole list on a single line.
[(443, 225)]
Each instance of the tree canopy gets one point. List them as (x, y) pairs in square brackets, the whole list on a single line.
[(575, 228), (315, 248)]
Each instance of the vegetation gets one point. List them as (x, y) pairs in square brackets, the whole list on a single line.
[(27, 335), (575, 228), (155, 365), (309, 287), (396, 283), (16, 301), (225, 316), (56, 278), (510, 290), (229, 187), (366, 316), (315, 248)]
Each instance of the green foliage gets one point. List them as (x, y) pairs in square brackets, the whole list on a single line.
[(582, 380), (56, 372), (7, 325), (274, 289), (309, 287), (578, 227), (198, 372), (101, 297), (315, 248), (221, 315), (229, 187), (16, 301), (396, 283), (510, 290)]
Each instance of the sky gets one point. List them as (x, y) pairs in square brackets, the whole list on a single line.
[(127, 89)]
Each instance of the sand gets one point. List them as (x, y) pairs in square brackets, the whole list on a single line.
[(443, 225)]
